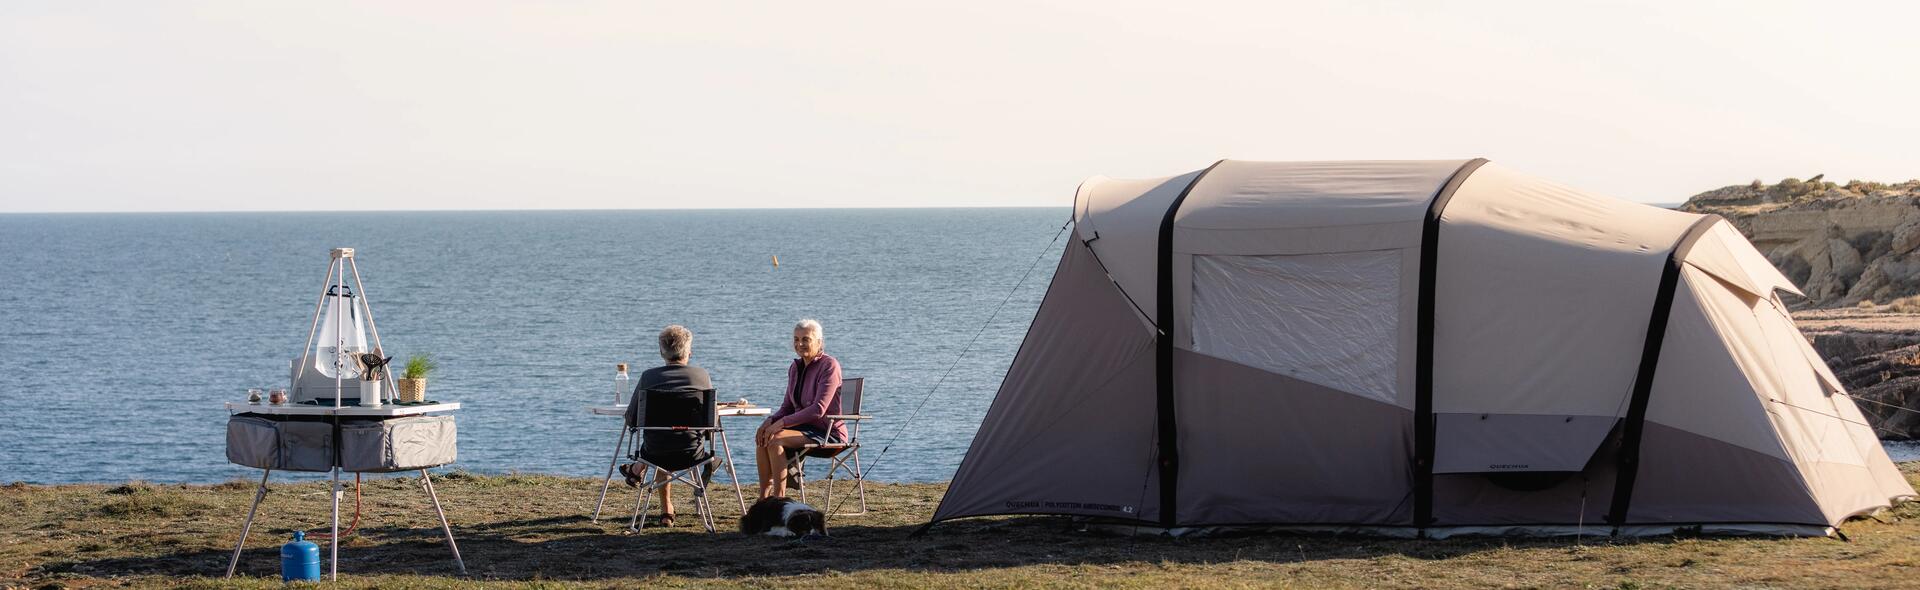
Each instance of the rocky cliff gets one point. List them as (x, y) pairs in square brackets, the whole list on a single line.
[(1876, 354), (1843, 244)]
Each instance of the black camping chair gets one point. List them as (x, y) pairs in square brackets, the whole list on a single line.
[(676, 437), (844, 455)]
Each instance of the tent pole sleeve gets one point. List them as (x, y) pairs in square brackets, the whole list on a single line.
[(1167, 427), (1627, 460), (1423, 422)]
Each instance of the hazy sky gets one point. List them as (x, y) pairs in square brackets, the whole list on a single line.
[(163, 106)]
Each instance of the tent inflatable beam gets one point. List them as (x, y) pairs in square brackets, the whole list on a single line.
[(1628, 459), (1423, 419), (1168, 427)]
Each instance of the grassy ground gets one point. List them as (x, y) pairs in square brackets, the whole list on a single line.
[(533, 532)]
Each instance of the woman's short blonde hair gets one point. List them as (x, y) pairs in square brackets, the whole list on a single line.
[(676, 343)]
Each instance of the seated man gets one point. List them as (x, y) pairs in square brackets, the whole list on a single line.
[(676, 347)]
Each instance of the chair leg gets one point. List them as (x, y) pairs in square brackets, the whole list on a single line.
[(859, 481), (640, 507), (701, 505), (828, 498), (797, 477)]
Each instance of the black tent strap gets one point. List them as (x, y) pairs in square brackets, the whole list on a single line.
[(1168, 428), (1628, 459), (1423, 419)]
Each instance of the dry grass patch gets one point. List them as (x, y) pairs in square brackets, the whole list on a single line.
[(532, 531), (1905, 305)]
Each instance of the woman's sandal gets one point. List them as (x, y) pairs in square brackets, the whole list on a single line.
[(633, 481), (666, 519)]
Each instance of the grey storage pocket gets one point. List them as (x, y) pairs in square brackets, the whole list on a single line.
[(306, 446), (253, 441), (399, 444)]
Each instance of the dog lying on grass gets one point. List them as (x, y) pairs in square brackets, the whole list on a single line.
[(783, 517)]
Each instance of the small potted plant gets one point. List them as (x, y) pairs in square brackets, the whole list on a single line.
[(412, 383)]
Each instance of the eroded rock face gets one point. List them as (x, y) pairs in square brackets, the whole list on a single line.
[(1885, 385), (1876, 355), (1842, 244)]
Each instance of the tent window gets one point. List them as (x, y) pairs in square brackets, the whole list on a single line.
[(1329, 319)]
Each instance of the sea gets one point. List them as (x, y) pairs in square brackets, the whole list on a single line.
[(122, 335)]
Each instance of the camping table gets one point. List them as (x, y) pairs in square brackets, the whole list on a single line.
[(385, 411), (626, 433)]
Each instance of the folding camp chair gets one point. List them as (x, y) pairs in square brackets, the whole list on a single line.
[(667, 417), (844, 455)]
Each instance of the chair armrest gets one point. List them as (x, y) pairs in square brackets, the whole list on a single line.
[(849, 417), (677, 428)]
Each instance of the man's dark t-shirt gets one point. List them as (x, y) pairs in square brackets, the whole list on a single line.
[(665, 378)]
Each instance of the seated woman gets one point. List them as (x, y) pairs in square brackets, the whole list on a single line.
[(813, 393), (676, 348)]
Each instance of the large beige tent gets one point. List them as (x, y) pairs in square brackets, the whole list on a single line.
[(1416, 347)]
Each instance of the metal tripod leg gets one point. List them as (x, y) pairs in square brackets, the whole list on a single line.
[(258, 495), (618, 445), (427, 480), (738, 494)]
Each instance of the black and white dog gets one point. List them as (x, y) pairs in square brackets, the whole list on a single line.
[(783, 517)]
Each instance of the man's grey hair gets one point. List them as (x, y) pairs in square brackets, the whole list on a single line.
[(676, 343), (811, 325)]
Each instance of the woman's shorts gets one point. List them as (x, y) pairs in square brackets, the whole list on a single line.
[(815, 433)]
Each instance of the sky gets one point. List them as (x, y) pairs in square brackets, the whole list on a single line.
[(226, 106)]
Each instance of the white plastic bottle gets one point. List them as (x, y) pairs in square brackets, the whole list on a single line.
[(622, 385)]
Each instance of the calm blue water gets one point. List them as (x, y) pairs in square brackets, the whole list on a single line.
[(121, 334)]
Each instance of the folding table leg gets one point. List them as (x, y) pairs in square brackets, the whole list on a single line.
[(427, 480), (258, 495), (618, 444), (333, 540), (738, 493)]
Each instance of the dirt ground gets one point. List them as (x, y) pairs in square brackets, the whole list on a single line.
[(533, 531)]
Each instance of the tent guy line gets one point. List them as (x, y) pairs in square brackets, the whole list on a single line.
[(902, 428)]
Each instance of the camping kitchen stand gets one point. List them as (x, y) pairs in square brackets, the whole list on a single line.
[(383, 438)]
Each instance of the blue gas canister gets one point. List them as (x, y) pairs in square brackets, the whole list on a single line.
[(300, 559)]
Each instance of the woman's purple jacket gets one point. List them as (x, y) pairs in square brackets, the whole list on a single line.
[(811, 402)]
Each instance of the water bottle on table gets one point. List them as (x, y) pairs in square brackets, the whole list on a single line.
[(622, 385)]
